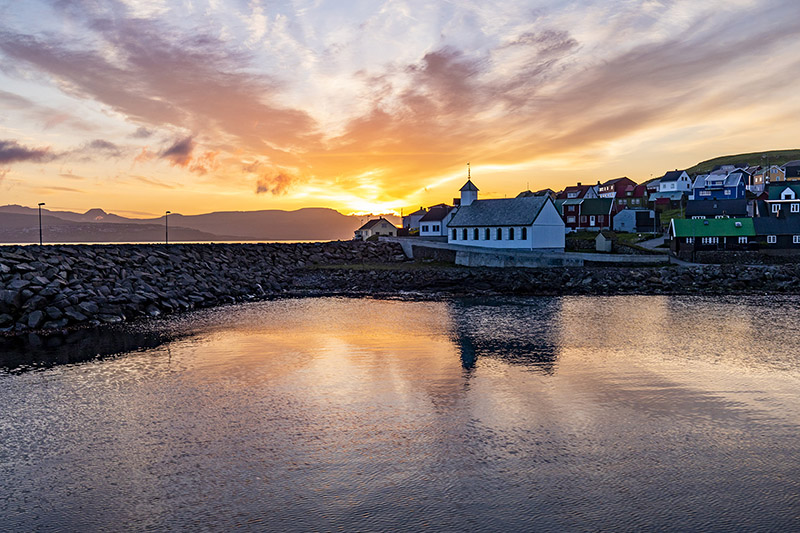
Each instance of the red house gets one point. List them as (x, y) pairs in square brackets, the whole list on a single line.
[(578, 191), (592, 214)]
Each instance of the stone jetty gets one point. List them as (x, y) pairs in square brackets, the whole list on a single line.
[(62, 287), (57, 287)]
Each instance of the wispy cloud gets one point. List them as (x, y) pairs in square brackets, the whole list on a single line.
[(13, 152)]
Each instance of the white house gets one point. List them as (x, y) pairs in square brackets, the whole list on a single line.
[(378, 226), (528, 223), (675, 181), (411, 222), (434, 222)]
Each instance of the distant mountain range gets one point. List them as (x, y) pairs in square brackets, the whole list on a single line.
[(20, 224)]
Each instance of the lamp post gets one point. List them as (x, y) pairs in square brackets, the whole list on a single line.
[(166, 227), (40, 222)]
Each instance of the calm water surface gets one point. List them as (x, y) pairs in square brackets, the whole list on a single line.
[(545, 414)]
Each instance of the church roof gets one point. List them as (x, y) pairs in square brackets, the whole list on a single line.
[(469, 186), (499, 212)]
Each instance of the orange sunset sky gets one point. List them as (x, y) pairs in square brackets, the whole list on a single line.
[(138, 107)]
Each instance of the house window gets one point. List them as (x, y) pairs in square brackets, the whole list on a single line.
[(510, 234), (795, 208), (475, 234), (488, 234), (524, 234), (776, 208), (570, 220), (727, 192), (689, 240), (709, 240), (583, 219), (435, 228), (621, 202), (795, 239), (464, 234), (600, 218), (499, 234), (424, 228), (742, 240), (771, 239), (455, 234), (697, 218)]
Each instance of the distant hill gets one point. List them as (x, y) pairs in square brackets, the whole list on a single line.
[(775, 157), (21, 224)]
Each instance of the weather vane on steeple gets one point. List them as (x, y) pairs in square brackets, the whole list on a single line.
[(468, 177)]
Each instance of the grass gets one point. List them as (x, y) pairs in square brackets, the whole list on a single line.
[(775, 157)]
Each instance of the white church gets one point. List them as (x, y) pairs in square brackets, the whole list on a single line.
[(530, 223)]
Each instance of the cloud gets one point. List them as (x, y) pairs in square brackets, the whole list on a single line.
[(13, 152), (276, 183), (180, 153), (142, 133)]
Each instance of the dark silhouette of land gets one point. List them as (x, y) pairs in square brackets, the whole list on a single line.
[(20, 224)]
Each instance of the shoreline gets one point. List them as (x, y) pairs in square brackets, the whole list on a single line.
[(61, 288)]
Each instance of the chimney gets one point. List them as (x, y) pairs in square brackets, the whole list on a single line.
[(579, 184)]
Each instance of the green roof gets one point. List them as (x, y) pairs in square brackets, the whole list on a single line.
[(713, 227), (775, 189), (596, 206)]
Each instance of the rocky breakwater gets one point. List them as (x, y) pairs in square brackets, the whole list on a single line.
[(442, 280), (52, 288)]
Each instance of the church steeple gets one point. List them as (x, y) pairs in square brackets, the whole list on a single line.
[(469, 192)]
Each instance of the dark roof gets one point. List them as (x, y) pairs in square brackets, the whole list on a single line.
[(776, 189), (436, 213), (777, 226), (499, 212), (735, 207), (468, 186), (596, 206), (417, 212), (672, 175), (795, 163), (372, 223)]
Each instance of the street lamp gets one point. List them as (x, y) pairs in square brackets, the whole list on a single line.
[(166, 227), (40, 222)]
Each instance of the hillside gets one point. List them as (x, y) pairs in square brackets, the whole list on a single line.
[(774, 157)]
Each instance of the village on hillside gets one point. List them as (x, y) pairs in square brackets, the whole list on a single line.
[(732, 208)]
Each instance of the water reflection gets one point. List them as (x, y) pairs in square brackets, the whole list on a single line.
[(545, 414), (521, 332), (32, 351)]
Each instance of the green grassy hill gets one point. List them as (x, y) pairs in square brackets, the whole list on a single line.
[(775, 157)]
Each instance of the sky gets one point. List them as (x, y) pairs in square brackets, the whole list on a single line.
[(193, 106)]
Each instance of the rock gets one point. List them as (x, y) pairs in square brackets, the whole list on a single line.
[(88, 308), (35, 319), (75, 315), (18, 284)]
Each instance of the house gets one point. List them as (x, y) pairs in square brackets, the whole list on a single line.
[(691, 235), (615, 188), (604, 242), (527, 223), (783, 199), (578, 191), (773, 233), (593, 214), (719, 185), (377, 226), (434, 223), (632, 198), (736, 208), (791, 170), (637, 221), (675, 181), (544, 192), (411, 222)]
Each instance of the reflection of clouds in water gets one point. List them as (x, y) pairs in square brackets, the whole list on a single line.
[(523, 332)]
